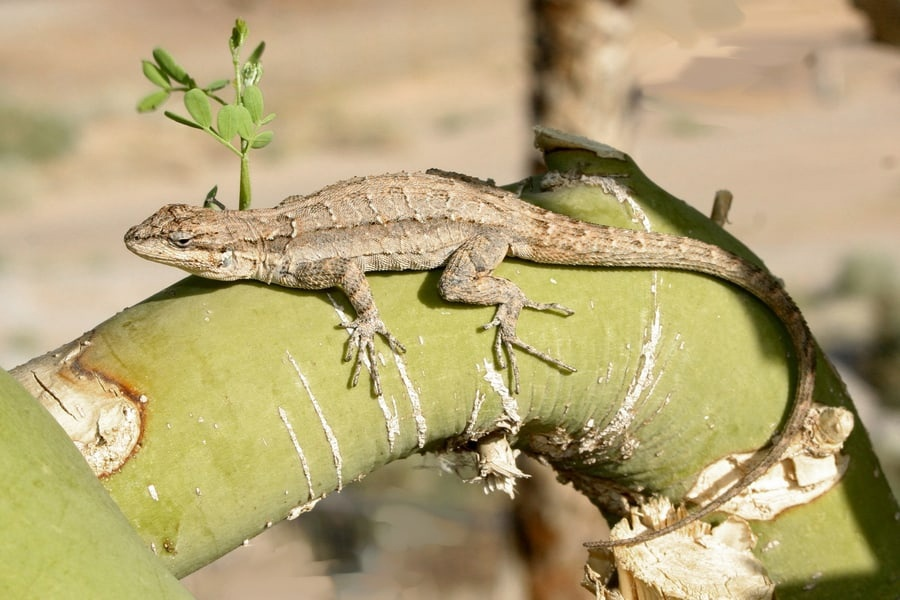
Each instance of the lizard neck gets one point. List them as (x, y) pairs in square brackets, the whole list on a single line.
[(257, 240)]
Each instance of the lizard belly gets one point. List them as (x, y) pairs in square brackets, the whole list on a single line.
[(404, 261), (400, 246)]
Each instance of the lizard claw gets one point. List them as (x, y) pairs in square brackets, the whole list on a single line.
[(361, 348)]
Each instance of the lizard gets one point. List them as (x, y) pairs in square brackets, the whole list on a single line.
[(422, 221)]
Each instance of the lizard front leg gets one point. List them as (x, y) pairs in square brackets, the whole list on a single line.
[(468, 278), (347, 275), (365, 326)]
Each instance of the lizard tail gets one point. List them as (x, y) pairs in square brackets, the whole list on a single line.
[(604, 246)]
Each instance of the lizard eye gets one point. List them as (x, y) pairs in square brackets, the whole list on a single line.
[(180, 239)]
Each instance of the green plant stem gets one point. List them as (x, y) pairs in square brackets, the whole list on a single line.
[(238, 80), (244, 198), (231, 147), (208, 95)]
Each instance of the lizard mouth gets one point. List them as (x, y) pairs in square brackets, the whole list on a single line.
[(140, 241), (132, 237)]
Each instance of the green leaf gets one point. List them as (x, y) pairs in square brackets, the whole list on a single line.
[(197, 104), (243, 124), (182, 120), (226, 121), (238, 34), (253, 102), (218, 84), (262, 139), (152, 101), (266, 119), (257, 54), (156, 77), (211, 201), (171, 68)]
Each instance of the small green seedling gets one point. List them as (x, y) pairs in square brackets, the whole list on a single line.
[(238, 125)]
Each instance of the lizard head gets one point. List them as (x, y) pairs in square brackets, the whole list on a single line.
[(201, 241)]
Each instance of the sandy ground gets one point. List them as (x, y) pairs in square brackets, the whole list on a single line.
[(785, 104)]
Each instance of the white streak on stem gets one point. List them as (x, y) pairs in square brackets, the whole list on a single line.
[(645, 376), (413, 395), (469, 432), (326, 428), (497, 380), (303, 464)]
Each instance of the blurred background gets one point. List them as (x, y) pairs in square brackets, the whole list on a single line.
[(790, 105)]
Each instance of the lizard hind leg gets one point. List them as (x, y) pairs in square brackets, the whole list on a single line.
[(468, 278)]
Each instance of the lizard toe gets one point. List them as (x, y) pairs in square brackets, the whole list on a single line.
[(551, 306)]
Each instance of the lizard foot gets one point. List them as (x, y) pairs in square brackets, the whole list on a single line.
[(361, 347), (505, 320)]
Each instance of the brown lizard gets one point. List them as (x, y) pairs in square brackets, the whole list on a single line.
[(421, 221)]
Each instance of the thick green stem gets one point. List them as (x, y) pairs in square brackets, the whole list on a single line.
[(63, 537), (244, 198)]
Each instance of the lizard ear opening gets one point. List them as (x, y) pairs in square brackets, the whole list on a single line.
[(180, 239)]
